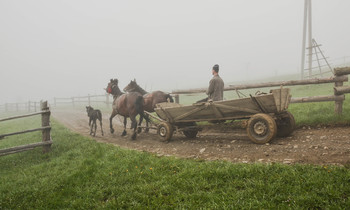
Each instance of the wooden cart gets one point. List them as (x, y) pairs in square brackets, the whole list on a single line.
[(266, 113)]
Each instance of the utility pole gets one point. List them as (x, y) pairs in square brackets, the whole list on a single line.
[(307, 22)]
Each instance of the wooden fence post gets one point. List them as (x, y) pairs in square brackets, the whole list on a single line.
[(45, 121), (338, 107)]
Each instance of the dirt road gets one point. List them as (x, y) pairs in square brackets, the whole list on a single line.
[(322, 145)]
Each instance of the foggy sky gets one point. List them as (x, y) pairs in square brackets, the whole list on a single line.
[(67, 48)]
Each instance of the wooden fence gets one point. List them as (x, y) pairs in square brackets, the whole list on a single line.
[(16, 107), (86, 100), (46, 136), (340, 76), (29, 106)]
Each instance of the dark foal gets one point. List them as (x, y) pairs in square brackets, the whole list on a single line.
[(150, 99), (127, 105), (94, 114)]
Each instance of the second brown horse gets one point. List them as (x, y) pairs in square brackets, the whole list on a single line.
[(150, 99)]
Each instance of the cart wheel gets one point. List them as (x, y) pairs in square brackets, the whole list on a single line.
[(165, 131), (285, 124), (261, 128), (190, 133)]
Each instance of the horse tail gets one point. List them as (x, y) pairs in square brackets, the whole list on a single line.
[(139, 103), (170, 98)]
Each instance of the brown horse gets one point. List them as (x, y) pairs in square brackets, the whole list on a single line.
[(150, 99), (125, 104)]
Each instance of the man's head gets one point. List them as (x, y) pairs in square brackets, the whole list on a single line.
[(215, 69)]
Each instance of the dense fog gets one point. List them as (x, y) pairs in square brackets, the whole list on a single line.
[(74, 47)]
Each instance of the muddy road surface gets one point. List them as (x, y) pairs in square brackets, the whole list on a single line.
[(322, 145)]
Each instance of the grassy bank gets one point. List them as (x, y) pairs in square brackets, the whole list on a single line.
[(80, 173)]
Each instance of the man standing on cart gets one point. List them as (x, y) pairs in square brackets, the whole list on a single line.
[(215, 91)]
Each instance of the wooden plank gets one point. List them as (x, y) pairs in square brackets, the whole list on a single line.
[(281, 98), (216, 111), (23, 147), (291, 83), (237, 109), (342, 71), (197, 109), (21, 116), (237, 117), (317, 99), (343, 78), (167, 105), (341, 90), (254, 100), (229, 109), (13, 152), (26, 131)]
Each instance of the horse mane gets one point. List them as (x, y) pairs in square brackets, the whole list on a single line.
[(137, 88)]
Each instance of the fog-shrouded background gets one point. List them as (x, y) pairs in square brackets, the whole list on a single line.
[(64, 48)]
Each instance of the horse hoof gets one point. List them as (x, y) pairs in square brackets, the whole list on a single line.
[(112, 130), (124, 133), (133, 137), (146, 130), (139, 130)]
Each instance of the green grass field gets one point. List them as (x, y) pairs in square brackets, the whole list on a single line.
[(80, 173)]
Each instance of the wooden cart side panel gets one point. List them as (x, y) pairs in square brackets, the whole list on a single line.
[(267, 102), (168, 104), (275, 102), (281, 98), (214, 110)]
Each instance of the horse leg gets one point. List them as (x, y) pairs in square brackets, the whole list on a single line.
[(95, 124), (147, 128), (147, 121), (124, 132), (133, 125), (91, 128), (114, 113), (101, 126), (140, 121)]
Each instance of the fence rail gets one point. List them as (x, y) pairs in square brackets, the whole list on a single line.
[(340, 76), (46, 136), (88, 100), (25, 106), (29, 106)]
